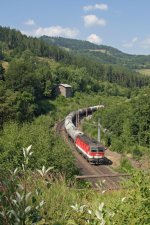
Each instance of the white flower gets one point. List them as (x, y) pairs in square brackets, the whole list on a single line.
[(101, 206), (43, 172), (99, 215), (123, 199), (28, 148), (26, 151), (89, 211), (78, 208), (75, 207)]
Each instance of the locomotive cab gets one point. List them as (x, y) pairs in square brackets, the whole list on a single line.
[(92, 150), (97, 154)]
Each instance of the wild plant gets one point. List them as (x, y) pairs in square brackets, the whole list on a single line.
[(19, 205), (84, 215)]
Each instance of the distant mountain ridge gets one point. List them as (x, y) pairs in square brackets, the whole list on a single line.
[(102, 53), (75, 44), (84, 68)]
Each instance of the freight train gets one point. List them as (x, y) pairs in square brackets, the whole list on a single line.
[(91, 149)]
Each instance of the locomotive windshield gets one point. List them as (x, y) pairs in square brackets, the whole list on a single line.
[(97, 149), (101, 149)]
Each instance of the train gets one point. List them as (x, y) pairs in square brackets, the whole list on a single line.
[(92, 150)]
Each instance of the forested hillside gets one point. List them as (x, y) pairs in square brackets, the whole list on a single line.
[(13, 43), (100, 53), (30, 68)]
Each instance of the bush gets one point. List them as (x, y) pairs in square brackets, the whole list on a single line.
[(117, 145), (44, 199), (48, 148), (137, 153), (125, 165)]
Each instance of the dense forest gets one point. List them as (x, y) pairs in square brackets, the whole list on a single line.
[(14, 43), (30, 68), (100, 53)]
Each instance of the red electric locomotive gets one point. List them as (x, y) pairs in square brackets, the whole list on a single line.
[(91, 149)]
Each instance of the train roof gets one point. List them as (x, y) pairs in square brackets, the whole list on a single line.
[(65, 85), (89, 141)]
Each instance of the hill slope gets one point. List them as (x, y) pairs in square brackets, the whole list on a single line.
[(102, 53), (83, 71)]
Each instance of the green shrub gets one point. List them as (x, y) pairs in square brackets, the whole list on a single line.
[(125, 165), (137, 153)]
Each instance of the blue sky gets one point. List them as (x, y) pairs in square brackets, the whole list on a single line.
[(123, 24)]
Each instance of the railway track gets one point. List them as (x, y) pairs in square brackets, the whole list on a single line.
[(110, 183)]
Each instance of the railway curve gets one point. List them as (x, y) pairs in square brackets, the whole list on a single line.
[(112, 180)]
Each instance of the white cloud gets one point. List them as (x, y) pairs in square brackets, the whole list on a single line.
[(134, 39), (96, 6), (131, 43), (94, 39), (92, 20), (53, 31), (146, 43), (29, 22)]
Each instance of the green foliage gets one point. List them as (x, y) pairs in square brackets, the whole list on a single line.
[(77, 77), (27, 81), (48, 148), (29, 75), (125, 124), (14, 41), (2, 70), (100, 53), (137, 152), (18, 205), (134, 205), (83, 215), (131, 207), (117, 145), (18, 44), (47, 200), (125, 165), (25, 107)]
